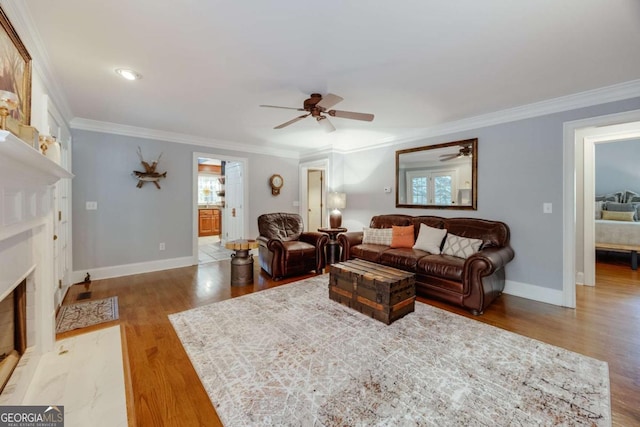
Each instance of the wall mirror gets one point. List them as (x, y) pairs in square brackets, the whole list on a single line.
[(441, 176)]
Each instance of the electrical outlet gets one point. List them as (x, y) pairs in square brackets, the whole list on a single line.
[(547, 208), (162, 246), (92, 206), (387, 189)]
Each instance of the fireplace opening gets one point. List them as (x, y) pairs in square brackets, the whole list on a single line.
[(13, 327)]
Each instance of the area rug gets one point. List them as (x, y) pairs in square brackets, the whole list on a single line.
[(291, 356), (87, 313)]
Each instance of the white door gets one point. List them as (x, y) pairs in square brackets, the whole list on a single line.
[(232, 224), (315, 205)]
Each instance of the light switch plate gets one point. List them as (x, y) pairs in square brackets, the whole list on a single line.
[(547, 208), (92, 206)]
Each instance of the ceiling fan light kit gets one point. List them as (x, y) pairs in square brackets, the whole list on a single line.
[(318, 107)]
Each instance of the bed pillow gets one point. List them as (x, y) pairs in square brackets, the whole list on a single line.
[(633, 199), (618, 216), (611, 197), (627, 195), (460, 247), (377, 236), (430, 239), (402, 236), (622, 207)]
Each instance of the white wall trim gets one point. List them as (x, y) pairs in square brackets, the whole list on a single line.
[(533, 292), (180, 138), (617, 92), (573, 153), (135, 268)]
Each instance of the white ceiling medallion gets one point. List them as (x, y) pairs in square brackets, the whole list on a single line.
[(128, 74)]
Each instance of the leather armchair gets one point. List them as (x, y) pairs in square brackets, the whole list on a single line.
[(285, 249)]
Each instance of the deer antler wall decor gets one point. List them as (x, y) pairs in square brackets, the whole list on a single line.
[(149, 174)]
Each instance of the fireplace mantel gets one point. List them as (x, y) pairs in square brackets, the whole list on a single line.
[(27, 180), (24, 162)]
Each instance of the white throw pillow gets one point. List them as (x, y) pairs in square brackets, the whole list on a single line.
[(430, 239), (377, 236), (461, 247)]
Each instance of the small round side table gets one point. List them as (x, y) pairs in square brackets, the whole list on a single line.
[(332, 254), (241, 261)]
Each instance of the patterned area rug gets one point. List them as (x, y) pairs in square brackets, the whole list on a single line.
[(291, 356), (87, 313)]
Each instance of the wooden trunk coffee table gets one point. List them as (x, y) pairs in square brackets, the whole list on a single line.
[(382, 292)]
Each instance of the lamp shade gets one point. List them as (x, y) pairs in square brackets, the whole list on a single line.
[(337, 200)]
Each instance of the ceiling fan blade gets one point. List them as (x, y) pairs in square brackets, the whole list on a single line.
[(446, 157), (284, 108), (351, 115), (290, 122), (329, 100), (325, 123)]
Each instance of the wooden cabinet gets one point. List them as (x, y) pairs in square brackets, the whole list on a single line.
[(208, 222)]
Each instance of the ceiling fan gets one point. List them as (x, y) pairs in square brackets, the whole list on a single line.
[(465, 151), (319, 107)]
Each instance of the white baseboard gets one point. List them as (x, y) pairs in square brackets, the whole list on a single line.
[(533, 292), (136, 268)]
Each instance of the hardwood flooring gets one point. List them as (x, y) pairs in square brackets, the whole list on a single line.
[(167, 391)]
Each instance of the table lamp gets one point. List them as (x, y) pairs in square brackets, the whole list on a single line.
[(336, 201)]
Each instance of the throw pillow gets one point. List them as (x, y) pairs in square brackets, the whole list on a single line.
[(377, 236), (402, 237), (461, 247), (618, 216), (430, 239)]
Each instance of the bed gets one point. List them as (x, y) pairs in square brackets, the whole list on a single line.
[(621, 236)]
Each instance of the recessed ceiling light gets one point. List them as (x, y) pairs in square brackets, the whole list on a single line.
[(128, 74)]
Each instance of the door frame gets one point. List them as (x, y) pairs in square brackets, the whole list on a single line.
[(194, 195), (303, 168), (573, 195), (592, 137)]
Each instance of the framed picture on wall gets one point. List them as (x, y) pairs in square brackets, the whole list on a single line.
[(15, 70)]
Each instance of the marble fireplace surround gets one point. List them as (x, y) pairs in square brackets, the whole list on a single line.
[(26, 250)]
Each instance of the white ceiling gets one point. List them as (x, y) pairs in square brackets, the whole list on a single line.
[(207, 64)]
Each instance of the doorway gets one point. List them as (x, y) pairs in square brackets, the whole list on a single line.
[(579, 249), (220, 202), (314, 184), (315, 200)]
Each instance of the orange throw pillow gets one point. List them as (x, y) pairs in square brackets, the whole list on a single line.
[(402, 237)]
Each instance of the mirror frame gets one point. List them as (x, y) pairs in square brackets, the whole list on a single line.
[(474, 175)]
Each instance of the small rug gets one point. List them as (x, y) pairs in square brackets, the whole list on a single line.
[(86, 313), (291, 356)]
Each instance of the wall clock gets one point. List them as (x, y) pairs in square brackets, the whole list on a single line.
[(276, 183)]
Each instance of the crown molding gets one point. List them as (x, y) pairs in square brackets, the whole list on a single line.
[(22, 21), (617, 92), (180, 138)]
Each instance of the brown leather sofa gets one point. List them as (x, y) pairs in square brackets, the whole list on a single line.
[(285, 249), (472, 283)]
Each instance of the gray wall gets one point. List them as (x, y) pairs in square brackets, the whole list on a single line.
[(520, 166), (617, 166), (130, 222)]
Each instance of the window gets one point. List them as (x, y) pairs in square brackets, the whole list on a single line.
[(208, 186), (431, 187)]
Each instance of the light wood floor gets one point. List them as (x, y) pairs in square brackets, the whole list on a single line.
[(167, 391)]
